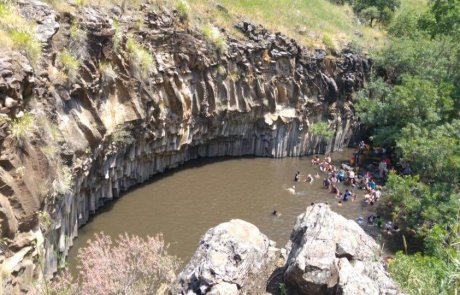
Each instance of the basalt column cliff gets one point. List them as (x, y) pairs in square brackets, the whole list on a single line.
[(120, 95)]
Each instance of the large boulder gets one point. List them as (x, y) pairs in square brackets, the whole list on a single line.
[(333, 255), (227, 256)]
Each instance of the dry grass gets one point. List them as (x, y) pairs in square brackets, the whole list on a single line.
[(140, 57), (16, 33), (307, 21)]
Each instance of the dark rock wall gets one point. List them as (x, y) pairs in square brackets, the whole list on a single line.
[(119, 126)]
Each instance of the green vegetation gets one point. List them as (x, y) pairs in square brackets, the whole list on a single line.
[(215, 37), (22, 128), (327, 40), (322, 129), (305, 21), (117, 36), (69, 63), (17, 33), (379, 10), (413, 105), (183, 9), (141, 59)]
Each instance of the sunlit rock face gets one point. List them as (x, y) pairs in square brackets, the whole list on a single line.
[(116, 122), (329, 254), (227, 257), (326, 254)]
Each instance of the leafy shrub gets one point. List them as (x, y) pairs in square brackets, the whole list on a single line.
[(141, 59), (322, 129), (420, 275), (215, 37)]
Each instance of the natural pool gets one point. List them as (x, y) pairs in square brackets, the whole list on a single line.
[(184, 203)]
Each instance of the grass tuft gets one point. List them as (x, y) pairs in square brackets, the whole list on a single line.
[(69, 63), (215, 37), (22, 128), (18, 34), (62, 184), (141, 59), (107, 72), (183, 9)]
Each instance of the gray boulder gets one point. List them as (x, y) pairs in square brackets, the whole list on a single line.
[(225, 259), (332, 255)]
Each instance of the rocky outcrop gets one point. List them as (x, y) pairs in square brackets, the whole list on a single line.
[(332, 255), (326, 254), (228, 256), (110, 124)]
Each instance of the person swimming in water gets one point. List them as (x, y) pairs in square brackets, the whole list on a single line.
[(276, 213), (309, 178), (297, 176), (346, 195)]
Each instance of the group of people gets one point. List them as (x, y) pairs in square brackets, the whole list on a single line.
[(348, 175)]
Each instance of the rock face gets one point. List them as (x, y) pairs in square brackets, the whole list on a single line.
[(332, 255), (226, 258), (327, 254), (109, 125)]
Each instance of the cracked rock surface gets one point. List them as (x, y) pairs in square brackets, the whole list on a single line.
[(329, 254)]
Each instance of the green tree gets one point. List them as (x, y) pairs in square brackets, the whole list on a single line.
[(380, 10), (443, 18)]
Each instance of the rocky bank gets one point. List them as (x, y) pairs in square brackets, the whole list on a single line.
[(326, 254), (95, 128)]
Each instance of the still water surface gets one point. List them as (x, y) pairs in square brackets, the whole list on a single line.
[(184, 203)]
